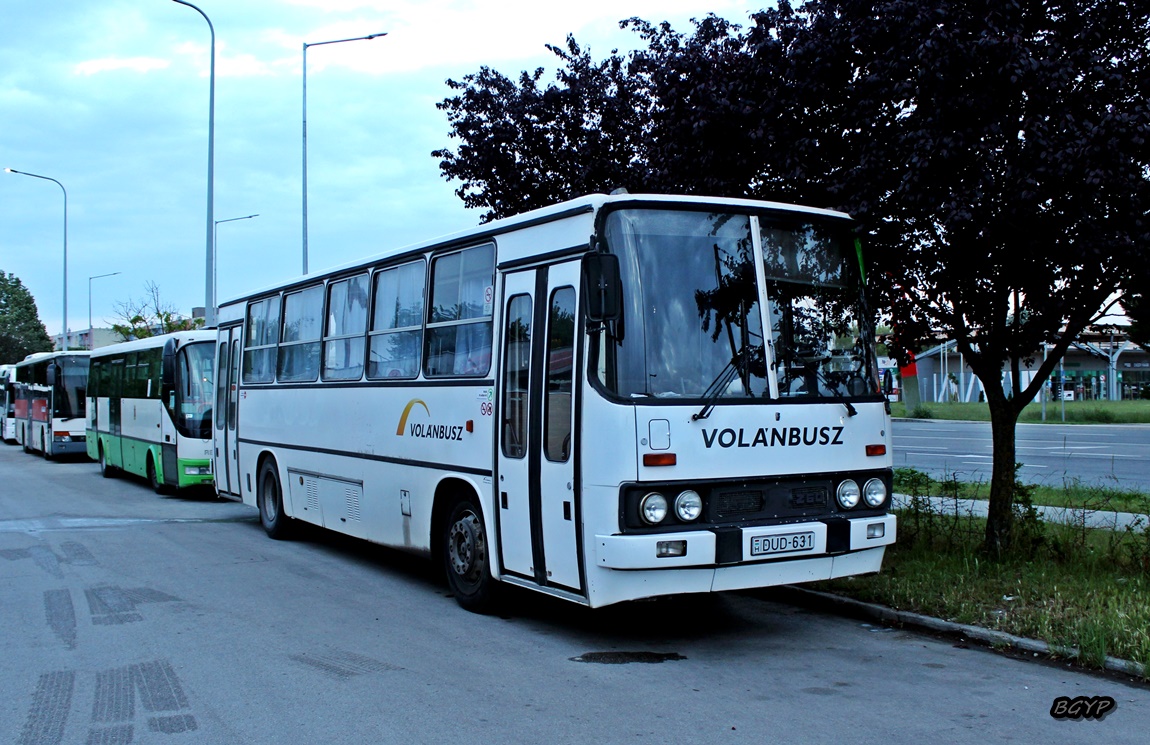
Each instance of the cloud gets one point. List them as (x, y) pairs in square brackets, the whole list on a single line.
[(110, 64)]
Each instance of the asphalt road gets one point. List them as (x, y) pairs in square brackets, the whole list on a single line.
[(1116, 456), (129, 617)]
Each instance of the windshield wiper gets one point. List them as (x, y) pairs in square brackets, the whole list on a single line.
[(715, 390), (813, 367)]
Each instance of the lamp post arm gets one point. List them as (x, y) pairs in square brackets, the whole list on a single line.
[(64, 331)]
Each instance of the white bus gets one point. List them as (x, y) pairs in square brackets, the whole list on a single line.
[(150, 409), (8, 400), (580, 400), (50, 399)]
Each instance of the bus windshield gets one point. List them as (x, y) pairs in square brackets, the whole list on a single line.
[(194, 390), (693, 313), (70, 398)]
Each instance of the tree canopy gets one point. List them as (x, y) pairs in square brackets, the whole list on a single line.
[(21, 331), (150, 316), (993, 151)]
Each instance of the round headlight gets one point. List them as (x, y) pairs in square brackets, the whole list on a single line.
[(653, 508), (848, 494), (874, 492), (688, 505)]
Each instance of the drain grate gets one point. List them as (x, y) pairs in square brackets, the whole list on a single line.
[(624, 658)]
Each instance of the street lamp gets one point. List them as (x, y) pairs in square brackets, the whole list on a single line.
[(209, 272), (57, 183), (305, 46), (215, 237), (91, 341)]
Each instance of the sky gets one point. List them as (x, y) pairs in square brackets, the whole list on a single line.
[(111, 99)]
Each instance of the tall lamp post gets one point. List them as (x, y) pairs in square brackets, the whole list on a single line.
[(305, 46), (210, 272), (57, 183), (91, 341), (215, 238)]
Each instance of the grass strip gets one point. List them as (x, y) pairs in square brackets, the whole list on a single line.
[(1068, 586), (1077, 412)]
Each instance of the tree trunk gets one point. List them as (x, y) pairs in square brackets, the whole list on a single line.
[(1000, 518)]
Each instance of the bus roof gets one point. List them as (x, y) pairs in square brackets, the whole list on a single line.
[(39, 356), (590, 203), (152, 342)]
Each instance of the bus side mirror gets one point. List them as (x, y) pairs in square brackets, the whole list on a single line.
[(601, 288), (52, 372), (168, 379)]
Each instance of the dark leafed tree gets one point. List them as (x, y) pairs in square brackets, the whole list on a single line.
[(995, 152), (21, 331), (527, 144), (150, 316)]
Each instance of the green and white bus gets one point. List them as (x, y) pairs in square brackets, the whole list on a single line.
[(150, 409)]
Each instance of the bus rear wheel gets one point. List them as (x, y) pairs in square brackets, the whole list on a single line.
[(466, 557), (270, 496), (105, 470)]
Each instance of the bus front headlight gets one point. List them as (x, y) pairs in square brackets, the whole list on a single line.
[(688, 505), (848, 494), (653, 508), (874, 492)]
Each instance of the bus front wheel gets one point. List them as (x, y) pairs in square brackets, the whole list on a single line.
[(276, 524), (466, 557), (153, 478)]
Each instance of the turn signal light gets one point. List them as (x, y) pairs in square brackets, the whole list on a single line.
[(659, 459), (875, 450)]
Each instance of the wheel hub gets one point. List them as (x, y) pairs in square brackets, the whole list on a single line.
[(464, 544)]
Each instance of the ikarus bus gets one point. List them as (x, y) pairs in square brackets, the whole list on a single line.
[(613, 398), (50, 399), (150, 409)]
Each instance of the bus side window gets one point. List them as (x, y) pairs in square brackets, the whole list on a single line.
[(397, 322), (300, 340), (560, 366), (516, 376), (461, 310)]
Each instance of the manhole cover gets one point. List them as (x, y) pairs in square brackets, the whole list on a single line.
[(623, 658)]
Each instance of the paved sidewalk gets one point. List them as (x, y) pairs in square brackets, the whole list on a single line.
[(1102, 519)]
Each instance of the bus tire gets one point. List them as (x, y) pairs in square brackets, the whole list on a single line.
[(105, 470), (467, 557), (276, 524), (44, 444), (153, 478)]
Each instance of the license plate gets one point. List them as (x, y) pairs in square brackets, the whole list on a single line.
[(785, 543)]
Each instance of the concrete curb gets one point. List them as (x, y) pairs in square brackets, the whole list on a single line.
[(850, 606)]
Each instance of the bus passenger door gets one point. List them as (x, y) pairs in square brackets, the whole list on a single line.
[(538, 513), (114, 455), (512, 426), (225, 450)]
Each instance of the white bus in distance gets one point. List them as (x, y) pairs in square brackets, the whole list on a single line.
[(50, 401), (150, 409), (613, 398), (8, 403)]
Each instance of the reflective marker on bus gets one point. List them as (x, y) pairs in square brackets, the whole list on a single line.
[(150, 409), (613, 398)]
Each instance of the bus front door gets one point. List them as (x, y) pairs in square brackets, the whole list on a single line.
[(225, 451), (536, 495)]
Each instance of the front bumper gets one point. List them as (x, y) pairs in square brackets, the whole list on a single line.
[(730, 547)]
